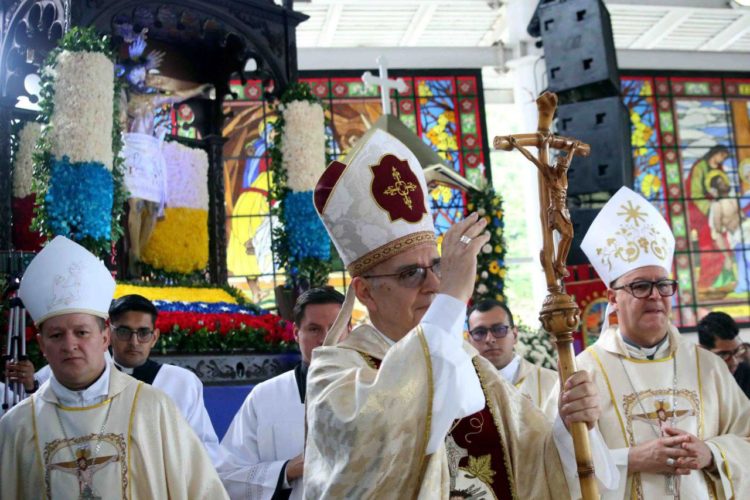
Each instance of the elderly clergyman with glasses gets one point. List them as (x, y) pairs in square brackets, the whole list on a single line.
[(494, 334), (678, 424), (134, 334), (401, 407)]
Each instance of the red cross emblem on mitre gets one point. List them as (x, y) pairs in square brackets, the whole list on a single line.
[(396, 189)]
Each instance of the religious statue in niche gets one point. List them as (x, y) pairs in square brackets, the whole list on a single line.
[(145, 92)]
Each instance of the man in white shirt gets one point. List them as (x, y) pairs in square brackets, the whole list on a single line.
[(493, 333), (134, 334), (91, 431), (263, 446)]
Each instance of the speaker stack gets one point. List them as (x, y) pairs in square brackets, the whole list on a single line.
[(579, 52)]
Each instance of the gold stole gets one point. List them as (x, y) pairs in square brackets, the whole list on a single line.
[(86, 464)]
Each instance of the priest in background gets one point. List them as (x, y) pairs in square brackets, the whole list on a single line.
[(719, 333), (91, 431), (402, 407), (134, 334), (263, 447), (678, 424), (494, 334)]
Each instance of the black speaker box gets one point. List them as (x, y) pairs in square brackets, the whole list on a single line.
[(604, 124), (579, 49), (582, 219)]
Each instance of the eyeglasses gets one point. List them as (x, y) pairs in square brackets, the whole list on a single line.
[(643, 289), (499, 331), (124, 333), (412, 277), (740, 352)]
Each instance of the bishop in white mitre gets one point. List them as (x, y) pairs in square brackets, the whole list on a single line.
[(678, 424), (91, 431), (402, 407)]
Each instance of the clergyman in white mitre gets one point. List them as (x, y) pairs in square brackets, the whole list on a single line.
[(403, 407), (91, 431), (678, 424)]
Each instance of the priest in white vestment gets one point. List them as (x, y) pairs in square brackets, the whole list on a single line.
[(91, 431), (263, 447), (402, 407), (494, 334), (134, 334), (678, 424)]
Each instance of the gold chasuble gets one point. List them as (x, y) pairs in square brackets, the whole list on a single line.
[(688, 388), (539, 384), (371, 406), (128, 446)]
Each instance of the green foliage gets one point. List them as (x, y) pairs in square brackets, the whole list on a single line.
[(308, 271), (491, 270), (88, 40)]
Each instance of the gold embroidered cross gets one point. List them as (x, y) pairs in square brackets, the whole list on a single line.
[(400, 188)]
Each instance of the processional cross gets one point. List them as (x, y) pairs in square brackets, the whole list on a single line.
[(560, 315), (385, 84)]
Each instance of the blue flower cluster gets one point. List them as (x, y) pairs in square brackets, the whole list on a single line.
[(79, 200), (305, 232), (205, 307)]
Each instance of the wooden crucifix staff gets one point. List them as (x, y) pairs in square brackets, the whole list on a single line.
[(559, 315)]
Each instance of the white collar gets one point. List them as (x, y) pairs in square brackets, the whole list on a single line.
[(389, 340), (659, 351), (123, 369), (510, 371), (93, 394)]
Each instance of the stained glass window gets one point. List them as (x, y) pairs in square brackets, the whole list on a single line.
[(445, 110), (691, 146)]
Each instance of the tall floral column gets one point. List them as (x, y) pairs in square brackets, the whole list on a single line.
[(77, 173), (301, 245), (491, 267), (179, 243), (24, 199)]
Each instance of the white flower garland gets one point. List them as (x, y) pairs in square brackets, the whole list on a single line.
[(536, 346), (82, 118), (23, 166), (303, 144), (187, 176)]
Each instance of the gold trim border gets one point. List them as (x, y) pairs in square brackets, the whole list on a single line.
[(506, 456), (430, 397), (385, 252)]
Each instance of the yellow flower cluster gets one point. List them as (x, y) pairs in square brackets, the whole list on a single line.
[(179, 243), (176, 294)]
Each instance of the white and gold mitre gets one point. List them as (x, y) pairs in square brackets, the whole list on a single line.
[(66, 278), (374, 205), (628, 233)]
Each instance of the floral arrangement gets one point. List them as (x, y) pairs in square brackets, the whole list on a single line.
[(70, 213), (301, 244), (23, 164), (303, 143), (23, 201), (491, 268), (212, 319), (78, 178), (535, 346), (179, 243), (185, 294), (187, 176)]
